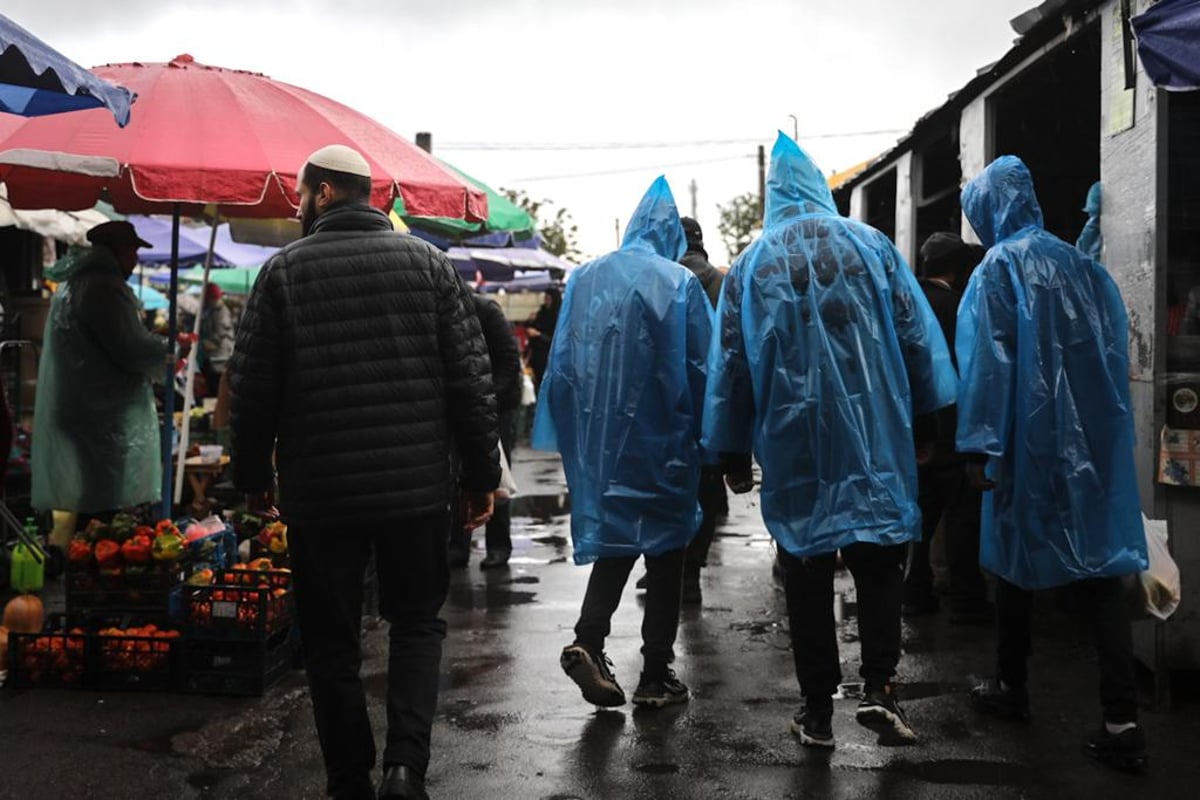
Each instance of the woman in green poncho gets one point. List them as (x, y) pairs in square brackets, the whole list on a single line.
[(96, 443)]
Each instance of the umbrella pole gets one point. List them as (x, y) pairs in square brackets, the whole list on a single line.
[(168, 437), (193, 358)]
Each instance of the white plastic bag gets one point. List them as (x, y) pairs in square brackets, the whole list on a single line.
[(508, 487), (528, 394), (1160, 582)]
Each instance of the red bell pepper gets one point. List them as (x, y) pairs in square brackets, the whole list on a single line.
[(137, 549), (79, 551), (108, 553)]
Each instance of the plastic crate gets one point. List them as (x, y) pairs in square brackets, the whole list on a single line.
[(137, 663), (242, 605), (242, 668), (154, 593), (49, 661)]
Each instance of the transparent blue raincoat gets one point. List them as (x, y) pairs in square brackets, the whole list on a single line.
[(622, 394), (826, 347), (1090, 241), (1043, 352)]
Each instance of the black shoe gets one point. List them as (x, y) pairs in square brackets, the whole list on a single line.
[(495, 559), (692, 595), (458, 557), (641, 582), (880, 712), (594, 676), (657, 692), (920, 606), (402, 783), (1003, 701), (814, 728), (1125, 751)]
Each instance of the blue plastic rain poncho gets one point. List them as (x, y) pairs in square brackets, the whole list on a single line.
[(826, 347), (622, 394), (1042, 348), (1090, 240), (96, 442)]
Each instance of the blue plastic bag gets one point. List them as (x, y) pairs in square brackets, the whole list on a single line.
[(623, 391), (1042, 345), (826, 346)]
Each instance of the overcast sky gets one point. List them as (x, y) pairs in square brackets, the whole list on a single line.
[(515, 73)]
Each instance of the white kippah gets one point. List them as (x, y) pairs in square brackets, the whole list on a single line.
[(339, 158)]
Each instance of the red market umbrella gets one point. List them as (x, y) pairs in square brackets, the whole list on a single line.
[(206, 135)]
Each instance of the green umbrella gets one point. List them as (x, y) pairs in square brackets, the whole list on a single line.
[(235, 280), (503, 215)]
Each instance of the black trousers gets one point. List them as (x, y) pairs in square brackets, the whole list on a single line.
[(328, 569), (879, 579), (660, 621), (714, 503), (1102, 602), (945, 495)]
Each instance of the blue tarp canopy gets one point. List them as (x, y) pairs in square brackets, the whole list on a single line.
[(1168, 39), (502, 263), (193, 244), (35, 80), (150, 298)]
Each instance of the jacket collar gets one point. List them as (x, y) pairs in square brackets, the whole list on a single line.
[(351, 216)]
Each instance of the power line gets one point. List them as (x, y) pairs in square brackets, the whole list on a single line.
[(644, 145), (626, 170)]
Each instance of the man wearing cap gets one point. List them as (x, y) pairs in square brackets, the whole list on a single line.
[(359, 366), (96, 443)]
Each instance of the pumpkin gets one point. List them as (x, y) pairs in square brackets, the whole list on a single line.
[(24, 614), (3, 648)]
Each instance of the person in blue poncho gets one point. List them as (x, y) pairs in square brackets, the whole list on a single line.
[(1043, 354), (621, 401), (825, 350)]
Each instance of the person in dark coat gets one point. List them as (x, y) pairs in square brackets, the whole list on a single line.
[(359, 367), (540, 331), (945, 495), (505, 355)]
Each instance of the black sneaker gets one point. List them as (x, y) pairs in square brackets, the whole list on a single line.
[(1000, 700), (495, 559), (814, 728), (594, 676), (661, 691), (880, 712), (1125, 751)]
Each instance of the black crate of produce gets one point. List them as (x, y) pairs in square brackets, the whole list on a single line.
[(150, 591), (137, 659), (49, 661), (243, 668), (247, 605)]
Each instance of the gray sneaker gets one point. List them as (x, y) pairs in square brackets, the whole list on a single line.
[(594, 676), (880, 712)]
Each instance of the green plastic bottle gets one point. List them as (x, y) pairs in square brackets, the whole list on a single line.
[(28, 572)]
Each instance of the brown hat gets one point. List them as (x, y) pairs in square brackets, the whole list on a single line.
[(116, 234)]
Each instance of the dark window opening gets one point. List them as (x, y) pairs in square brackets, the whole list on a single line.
[(880, 196), (1183, 231), (938, 204), (1050, 117)]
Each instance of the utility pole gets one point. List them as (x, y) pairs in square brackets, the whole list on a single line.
[(617, 230), (762, 183), (694, 189), (795, 127), (425, 141)]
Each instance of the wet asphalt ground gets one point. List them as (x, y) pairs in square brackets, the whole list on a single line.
[(511, 725)]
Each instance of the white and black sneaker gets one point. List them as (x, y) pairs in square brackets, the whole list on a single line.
[(880, 712), (662, 691), (594, 676), (814, 728)]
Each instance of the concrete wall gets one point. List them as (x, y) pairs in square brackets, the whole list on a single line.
[(858, 202), (974, 149), (906, 208), (1135, 242)]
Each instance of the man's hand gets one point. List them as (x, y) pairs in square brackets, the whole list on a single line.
[(977, 477), (262, 505), (477, 509)]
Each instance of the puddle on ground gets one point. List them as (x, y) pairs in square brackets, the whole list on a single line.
[(962, 771), (657, 769), (462, 673), (486, 722), (526, 579), (554, 540), (543, 507)]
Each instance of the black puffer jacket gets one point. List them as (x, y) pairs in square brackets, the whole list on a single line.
[(504, 352), (361, 352)]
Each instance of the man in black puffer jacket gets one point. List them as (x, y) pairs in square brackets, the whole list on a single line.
[(360, 364)]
